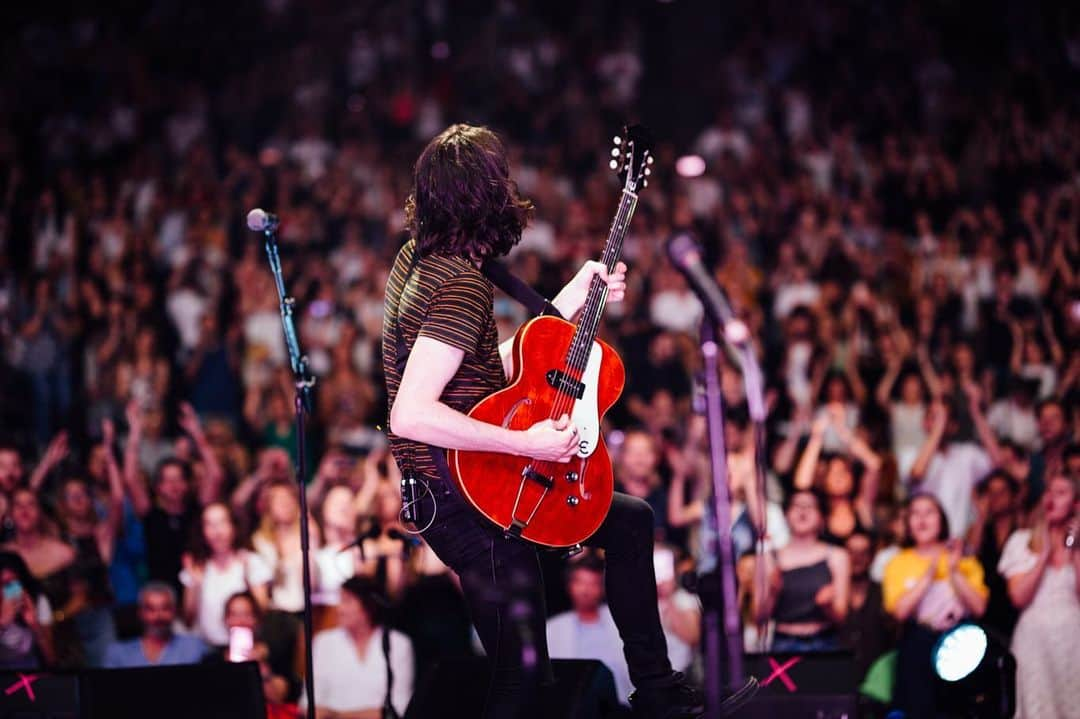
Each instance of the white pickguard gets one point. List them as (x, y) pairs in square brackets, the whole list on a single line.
[(586, 412)]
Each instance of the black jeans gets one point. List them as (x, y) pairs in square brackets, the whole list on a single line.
[(504, 591)]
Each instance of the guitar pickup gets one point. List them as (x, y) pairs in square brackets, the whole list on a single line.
[(542, 479), (565, 383)]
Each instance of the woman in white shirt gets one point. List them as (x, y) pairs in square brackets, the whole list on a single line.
[(1043, 577), (217, 568), (907, 412), (277, 542), (333, 561), (354, 662)]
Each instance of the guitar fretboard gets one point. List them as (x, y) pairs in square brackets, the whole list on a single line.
[(593, 310)]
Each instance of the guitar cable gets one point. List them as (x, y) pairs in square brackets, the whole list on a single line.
[(407, 514)]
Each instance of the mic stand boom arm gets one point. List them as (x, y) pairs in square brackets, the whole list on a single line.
[(303, 381)]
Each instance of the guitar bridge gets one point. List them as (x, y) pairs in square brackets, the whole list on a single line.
[(565, 383), (542, 479)]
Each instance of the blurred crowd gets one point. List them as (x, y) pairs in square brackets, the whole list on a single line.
[(895, 217)]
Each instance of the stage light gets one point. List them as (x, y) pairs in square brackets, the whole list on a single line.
[(976, 673), (690, 166), (959, 652)]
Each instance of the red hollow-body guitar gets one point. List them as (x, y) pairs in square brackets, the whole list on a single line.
[(559, 368)]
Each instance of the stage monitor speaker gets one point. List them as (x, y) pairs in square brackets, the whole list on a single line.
[(31, 695), (583, 689), (204, 691), (815, 685)]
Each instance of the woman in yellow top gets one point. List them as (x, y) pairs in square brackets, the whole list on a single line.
[(929, 587)]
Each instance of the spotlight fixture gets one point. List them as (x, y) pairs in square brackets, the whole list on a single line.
[(959, 652), (976, 673)]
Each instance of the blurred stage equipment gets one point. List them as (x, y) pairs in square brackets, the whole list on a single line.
[(583, 689), (719, 589), (207, 691), (820, 685), (259, 220), (976, 673)]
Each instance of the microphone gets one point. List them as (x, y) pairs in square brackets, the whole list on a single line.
[(259, 220), (685, 255), (372, 532)]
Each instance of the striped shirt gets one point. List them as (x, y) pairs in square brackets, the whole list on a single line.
[(447, 299)]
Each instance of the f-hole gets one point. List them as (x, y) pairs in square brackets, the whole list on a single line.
[(513, 410)]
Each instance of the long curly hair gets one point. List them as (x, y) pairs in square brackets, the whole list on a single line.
[(463, 201)]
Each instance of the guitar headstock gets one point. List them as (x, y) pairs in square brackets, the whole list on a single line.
[(631, 157)]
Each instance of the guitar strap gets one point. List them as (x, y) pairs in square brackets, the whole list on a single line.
[(529, 298), (502, 278)]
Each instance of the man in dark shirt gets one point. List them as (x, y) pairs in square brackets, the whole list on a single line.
[(440, 356)]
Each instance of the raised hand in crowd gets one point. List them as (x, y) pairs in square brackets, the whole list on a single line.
[(55, 453), (211, 476), (134, 483)]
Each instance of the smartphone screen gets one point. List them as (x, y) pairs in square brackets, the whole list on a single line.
[(13, 590), (241, 642)]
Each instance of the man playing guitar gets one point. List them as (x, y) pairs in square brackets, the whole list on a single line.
[(441, 356)]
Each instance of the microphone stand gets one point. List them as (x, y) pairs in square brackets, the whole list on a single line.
[(303, 381), (754, 388), (731, 632)]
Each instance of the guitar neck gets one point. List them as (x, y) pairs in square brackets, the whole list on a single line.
[(589, 321)]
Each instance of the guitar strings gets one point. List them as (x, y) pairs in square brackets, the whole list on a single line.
[(595, 315), (596, 299), (619, 226), (594, 304), (594, 310), (578, 350)]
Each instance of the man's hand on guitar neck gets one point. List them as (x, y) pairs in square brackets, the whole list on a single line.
[(571, 298), (554, 440)]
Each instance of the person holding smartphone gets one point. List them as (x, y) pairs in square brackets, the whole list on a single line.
[(24, 637), (256, 636)]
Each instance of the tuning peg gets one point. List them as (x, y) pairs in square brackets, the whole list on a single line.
[(617, 140), (649, 160), (647, 172), (614, 152), (614, 164), (644, 183)]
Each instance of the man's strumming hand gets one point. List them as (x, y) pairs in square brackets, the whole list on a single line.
[(551, 440)]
